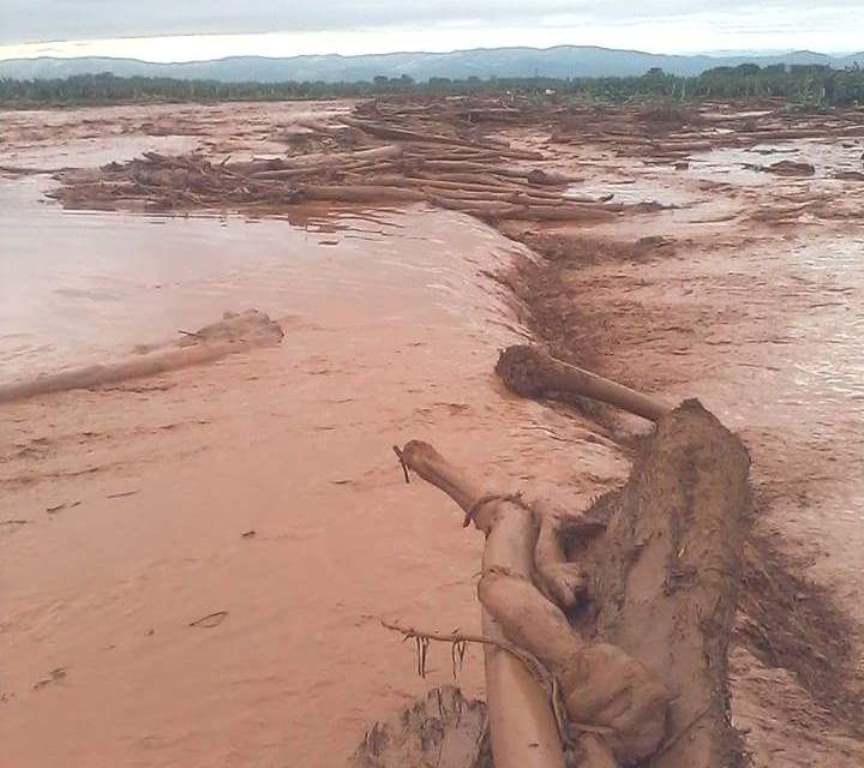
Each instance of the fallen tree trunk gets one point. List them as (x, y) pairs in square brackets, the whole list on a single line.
[(643, 667), (602, 687), (530, 372), (235, 333), (663, 579), (521, 718)]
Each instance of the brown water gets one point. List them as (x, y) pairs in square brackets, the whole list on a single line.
[(77, 286), (132, 503), (123, 511)]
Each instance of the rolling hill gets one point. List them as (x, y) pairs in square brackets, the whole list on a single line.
[(561, 61)]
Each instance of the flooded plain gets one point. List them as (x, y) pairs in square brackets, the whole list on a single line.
[(195, 564)]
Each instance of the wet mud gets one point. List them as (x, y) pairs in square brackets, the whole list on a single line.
[(198, 560)]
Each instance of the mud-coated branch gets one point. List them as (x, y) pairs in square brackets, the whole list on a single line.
[(531, 372)]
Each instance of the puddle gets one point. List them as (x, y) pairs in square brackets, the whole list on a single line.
[(741, 166), (639, 190)]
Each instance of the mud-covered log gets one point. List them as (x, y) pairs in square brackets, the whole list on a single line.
[(603, 687), (386, 152), (307, 165), (661, 559), (234, 333), (663, 579), (523, 727), (531, 372)]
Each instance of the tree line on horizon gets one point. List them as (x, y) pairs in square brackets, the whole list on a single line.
[(814, 86)]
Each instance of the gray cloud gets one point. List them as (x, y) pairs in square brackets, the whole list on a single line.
[(23, 21)]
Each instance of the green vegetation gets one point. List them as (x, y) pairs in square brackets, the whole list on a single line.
[(809, 86)]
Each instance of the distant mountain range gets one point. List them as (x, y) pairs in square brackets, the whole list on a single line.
[(561, 61)]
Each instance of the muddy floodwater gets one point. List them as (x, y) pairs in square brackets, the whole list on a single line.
[(261, 489), (195, 565), (77, 286)]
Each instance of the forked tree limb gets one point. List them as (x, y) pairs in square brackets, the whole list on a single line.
[(601, 684), (423, 459), (522, 722)]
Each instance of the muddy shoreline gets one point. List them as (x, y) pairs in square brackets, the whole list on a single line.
[(667, 292)]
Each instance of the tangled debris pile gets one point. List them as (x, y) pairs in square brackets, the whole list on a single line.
[(390, 153), (449, 153), (160, 182), (629, 606)]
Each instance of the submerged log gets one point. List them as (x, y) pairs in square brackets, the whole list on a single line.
[(234, 333)]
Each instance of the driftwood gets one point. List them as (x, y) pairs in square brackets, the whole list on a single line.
[(234, 333), (522, 721), (642, 667), (662, 579), (594, 679), (431, 154), (531, 372), (323, 160)]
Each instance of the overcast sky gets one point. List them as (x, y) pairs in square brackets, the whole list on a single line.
[(173, 30)]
